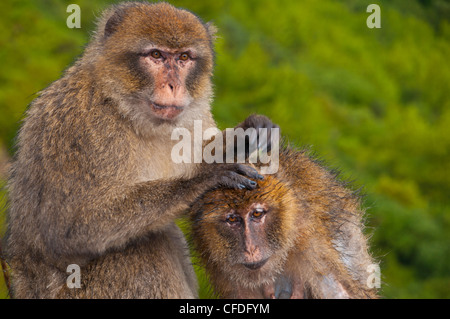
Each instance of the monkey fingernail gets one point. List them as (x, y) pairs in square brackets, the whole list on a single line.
[(240, 186)]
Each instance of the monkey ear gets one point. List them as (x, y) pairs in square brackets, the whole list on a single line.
[(113, 22), (212, 30)]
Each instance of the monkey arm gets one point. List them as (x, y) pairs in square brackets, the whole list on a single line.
[(132, 211), (80, 202)]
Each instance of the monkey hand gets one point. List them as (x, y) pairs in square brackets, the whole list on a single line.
[(261, 139), (234, 175), (257, 121)]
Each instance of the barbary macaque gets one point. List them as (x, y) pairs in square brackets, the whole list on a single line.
[(93, 185), (299, 234)]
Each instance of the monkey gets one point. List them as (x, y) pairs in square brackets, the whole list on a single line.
[(300, 234), (92, 182)]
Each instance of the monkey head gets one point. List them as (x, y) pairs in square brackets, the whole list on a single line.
[(247, 235), (153, 60)]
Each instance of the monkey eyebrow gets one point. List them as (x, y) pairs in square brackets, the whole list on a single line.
[(189, 50), (259, 206)]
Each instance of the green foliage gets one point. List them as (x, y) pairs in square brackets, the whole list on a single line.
[(374, 102)]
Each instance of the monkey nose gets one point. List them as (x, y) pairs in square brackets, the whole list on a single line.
[(252, 252)]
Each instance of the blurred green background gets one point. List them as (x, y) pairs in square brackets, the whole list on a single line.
[(374, 103)]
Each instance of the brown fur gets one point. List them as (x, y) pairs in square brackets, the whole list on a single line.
[(92, 182), (313, 228)]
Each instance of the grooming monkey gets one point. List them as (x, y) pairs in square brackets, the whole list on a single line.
[(92, 182), (298, 235)]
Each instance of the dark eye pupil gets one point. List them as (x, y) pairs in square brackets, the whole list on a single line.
[(257, 213), (232, 219), (156, 54)]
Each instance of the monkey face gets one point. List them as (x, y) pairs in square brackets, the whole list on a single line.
[(247, 233), (169, 70), (246, 227), (156, 60)]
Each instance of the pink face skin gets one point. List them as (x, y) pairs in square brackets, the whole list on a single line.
[(251, 222), (169, 69)]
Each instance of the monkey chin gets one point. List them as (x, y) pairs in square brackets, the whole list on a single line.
[(166, 112), (260, 272)]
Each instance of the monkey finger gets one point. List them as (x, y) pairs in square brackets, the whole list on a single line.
[(253, 137), (256, 121), (266, 144), (259, 121), (248, 171), (237, 181)]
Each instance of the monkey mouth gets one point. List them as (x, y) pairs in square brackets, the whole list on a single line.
[(166, 111), (256, 265)]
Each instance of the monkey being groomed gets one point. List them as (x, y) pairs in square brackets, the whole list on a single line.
[(298, 235)]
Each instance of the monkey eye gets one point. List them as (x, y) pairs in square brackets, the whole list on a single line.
[(184, 56), (258, 213), (231, 219), (156, 54)]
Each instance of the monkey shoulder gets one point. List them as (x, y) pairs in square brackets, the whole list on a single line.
[(69, 133)]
